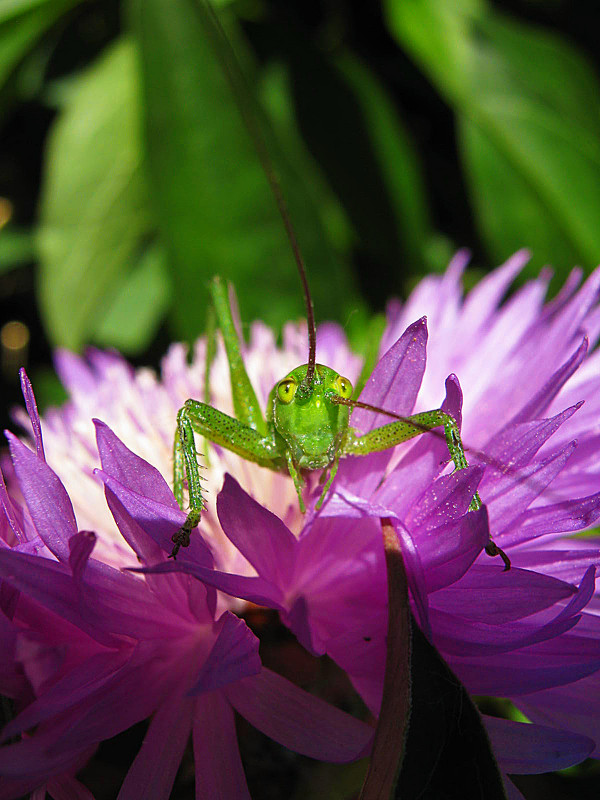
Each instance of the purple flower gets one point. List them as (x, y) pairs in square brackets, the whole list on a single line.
[(88, 649), (530, 634)]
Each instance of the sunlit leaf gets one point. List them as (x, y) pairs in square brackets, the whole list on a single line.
[(94, 212), (216, 211), (527, 106), (22, 22), (139, 306)]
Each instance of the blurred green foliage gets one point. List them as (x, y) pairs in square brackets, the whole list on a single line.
[(151, 182)]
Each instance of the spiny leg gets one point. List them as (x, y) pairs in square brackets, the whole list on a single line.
[(185, 463), (332, 472), (297, 478), (402, 430), (225, 431), (245, 402)]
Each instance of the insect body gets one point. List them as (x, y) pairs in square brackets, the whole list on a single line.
[(306, 426)]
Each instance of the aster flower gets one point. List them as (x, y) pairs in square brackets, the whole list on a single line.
[(523, 634), (103, 649), (527, 633)]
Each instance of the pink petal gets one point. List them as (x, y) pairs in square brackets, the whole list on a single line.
[(32, 411), (298, 720), (129, 469), (46, 498), (527, 749), (234, 655), (218, 767), (257, 533), (153, 772)]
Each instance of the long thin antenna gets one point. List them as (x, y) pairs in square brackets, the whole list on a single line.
[(242, 92)]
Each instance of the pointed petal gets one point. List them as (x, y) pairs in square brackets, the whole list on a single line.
[(159, 520), (129, 469), (527, 749), (80, 549), (257, 533), (234, 655), (46, 498), (298, 720), (256, 590), (218, 766), (32, 411), (153, 771)]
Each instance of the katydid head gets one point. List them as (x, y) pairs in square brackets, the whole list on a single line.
[(307, 415)]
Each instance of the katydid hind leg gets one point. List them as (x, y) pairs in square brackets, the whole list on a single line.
[(402, 430)]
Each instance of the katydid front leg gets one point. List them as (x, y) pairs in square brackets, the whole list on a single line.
[(401, 431), (249, 435), (221, 429)]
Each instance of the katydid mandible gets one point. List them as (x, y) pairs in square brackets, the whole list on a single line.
[(307, 420)]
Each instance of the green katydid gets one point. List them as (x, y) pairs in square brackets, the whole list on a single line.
[(307, 420)]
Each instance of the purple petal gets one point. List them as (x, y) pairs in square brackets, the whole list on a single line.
[(447, 552), (298, 720), (256, 590), (423, 462), (80, 549), (217, 764), (153, 772), (10, 513), (234, 655), (491, 595), (575, 706), (482, 301), (527, 749), (571, 515), (445, 500), (129, 469), (46, 498), (65, 787), (170, 588), (516, 444), (555, 662), (69, 691), (395, 381), (542, 399), (51, 585), (257, 533), (509, 496), (567, 565), (393, 385), (32, 410), (159, 520)]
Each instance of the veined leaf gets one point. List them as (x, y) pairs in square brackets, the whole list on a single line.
[(216, 211), (527, 106), (22, 22), (94, 212)]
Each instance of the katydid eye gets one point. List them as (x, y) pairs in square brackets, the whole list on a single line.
[(286, 390), (343, 387)]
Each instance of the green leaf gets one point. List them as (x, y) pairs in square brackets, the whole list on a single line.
[(528, 115), (139, 306), (22, 22), (448, 753), (353, 130), (217, 213), (94, 213)]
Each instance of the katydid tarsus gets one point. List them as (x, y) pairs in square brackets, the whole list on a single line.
[(307, 421)]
